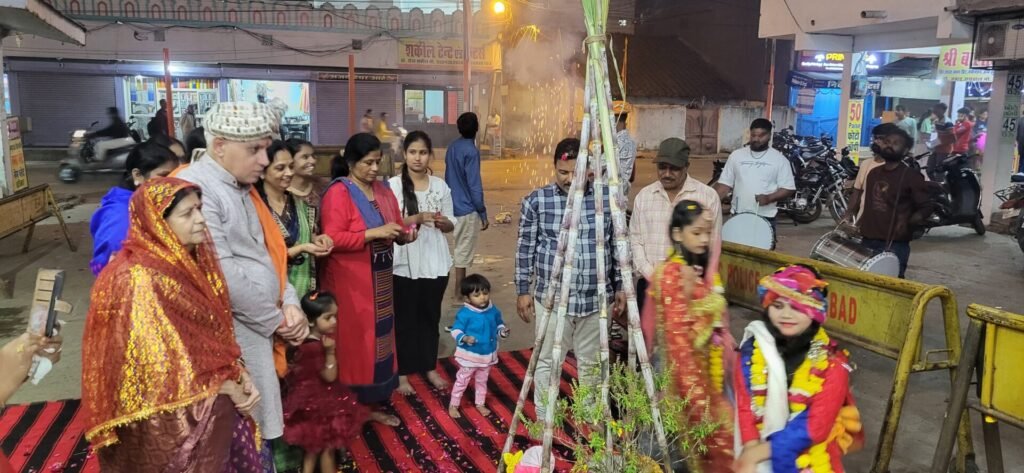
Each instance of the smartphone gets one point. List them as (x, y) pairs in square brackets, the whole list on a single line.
[(51, 313), (46, 301)]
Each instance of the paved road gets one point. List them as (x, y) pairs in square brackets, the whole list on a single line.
[(985, 269)]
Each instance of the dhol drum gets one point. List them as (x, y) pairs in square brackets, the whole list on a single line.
[(838, 248), (749, 229)]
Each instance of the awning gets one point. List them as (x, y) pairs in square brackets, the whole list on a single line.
[(38, 18), (916, 67)]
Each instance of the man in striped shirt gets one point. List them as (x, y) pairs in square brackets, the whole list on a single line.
[(652, 210), (539, 227)]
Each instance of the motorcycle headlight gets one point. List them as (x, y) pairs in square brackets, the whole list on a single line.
[(78, 134)]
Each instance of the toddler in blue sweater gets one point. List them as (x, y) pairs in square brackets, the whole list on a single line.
[(476, 330)]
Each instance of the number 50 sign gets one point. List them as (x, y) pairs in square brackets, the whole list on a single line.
[(854, 126)]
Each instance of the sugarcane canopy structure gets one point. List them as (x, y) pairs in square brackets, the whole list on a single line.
[(597, 151)]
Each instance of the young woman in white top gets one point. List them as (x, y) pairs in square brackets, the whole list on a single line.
[(421, 268)]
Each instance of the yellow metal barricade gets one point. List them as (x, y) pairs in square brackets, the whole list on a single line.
[(994, 346), (878, 313)]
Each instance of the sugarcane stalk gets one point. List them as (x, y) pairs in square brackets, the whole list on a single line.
[(549, 299), (576, 191), (602, 275), (597, 57)]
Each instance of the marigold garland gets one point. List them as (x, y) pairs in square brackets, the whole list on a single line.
[(807, 382)]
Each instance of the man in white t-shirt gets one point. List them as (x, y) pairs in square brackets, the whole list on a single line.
[(757, 175)]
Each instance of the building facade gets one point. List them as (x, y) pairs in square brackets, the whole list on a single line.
[(408, 64), (861, 27)]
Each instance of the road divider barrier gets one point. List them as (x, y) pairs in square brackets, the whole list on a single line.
[(994, 348), (878, 313)]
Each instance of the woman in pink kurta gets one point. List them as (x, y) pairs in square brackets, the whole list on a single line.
[(361, 215)]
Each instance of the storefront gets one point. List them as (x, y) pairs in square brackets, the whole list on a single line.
[(815, 91), (424, 92), (143, 95), (295, 95), (433, 109)]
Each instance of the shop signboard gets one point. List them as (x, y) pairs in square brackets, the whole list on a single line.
[(955, 64), (443, 54), (854, 123), (18, 171), (805, 82), (824, 61), (343, 76), (820, 61)]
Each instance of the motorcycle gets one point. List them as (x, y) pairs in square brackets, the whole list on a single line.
[(958, 200), (816, 172), (82, 155), (1012, 203), (844, 170)]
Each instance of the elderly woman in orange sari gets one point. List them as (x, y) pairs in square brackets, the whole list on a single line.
[(162, 379)]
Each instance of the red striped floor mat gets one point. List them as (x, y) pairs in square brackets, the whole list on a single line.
[(47, 437)]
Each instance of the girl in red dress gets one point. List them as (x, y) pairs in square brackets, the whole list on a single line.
[(320, 414)]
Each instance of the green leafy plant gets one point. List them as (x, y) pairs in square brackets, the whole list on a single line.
[(632, 429)]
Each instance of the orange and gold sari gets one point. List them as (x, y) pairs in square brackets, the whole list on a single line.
[(159, 343), (691, 338)]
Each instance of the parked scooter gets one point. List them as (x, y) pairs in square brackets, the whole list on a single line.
[(1013, 202), (82, 155), (958, 200)]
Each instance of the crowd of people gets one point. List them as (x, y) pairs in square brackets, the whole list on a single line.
[(250, 316)]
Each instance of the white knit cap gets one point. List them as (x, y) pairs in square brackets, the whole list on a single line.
[(240, 121)]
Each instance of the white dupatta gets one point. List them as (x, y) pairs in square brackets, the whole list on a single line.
[(776, 406)]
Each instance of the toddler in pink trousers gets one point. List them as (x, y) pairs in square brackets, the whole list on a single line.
[(476, 330)]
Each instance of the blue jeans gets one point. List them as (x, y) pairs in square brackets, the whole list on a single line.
[(900, 248)]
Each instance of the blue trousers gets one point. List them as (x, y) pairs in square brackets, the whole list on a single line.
[(900, 248)]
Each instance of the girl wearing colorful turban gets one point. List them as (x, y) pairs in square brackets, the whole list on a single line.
[(795, 413), (684, 328)]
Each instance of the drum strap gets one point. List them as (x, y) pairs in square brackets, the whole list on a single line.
[(895, 206)]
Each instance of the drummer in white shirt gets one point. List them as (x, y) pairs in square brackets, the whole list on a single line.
[(757, 175)]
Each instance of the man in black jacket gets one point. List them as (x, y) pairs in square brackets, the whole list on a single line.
[(116, 133), (158, 125)]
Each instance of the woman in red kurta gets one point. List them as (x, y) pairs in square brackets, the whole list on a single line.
[(361, 215)]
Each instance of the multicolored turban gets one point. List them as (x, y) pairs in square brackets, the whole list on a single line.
[(799, 286)]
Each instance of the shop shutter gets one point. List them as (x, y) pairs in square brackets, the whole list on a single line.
[(58, 104), (381, 97), (331, 112), (331, 107)]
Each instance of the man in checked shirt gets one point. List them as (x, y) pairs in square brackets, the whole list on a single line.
[(539, 227)]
